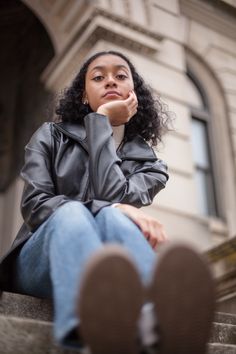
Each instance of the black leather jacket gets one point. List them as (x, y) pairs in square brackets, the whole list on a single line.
[(67, 161)]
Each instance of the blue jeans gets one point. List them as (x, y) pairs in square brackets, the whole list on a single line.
[(51, 262)]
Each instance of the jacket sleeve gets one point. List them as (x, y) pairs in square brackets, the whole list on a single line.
[(108, 182), (39, 199)]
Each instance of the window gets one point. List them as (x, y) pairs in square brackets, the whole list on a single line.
[(203, 171), (208, 106)]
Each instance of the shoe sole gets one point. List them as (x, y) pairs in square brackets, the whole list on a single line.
[(111, 297), (183, 295)]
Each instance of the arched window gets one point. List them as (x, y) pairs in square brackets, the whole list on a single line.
[(212, 145), (202, 156)]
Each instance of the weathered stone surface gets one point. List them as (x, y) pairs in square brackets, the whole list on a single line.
[(221, 317), (26, 324), (223, 333), (23, 336), (216, 348), (25, 306)]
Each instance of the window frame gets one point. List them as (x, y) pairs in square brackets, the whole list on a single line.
[(208, 172), (219, 137)]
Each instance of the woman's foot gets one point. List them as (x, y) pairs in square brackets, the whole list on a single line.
[(111, 297), (182, 292)]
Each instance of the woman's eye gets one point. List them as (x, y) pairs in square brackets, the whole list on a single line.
[(121, 76), (98, 78)]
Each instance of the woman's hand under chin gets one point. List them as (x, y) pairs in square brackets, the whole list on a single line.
[(120, 111), (152, 229)]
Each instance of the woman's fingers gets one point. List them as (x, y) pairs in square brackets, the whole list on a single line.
[(120, 111), (151, 228), (131, 101), (133, 105), (157, 234)]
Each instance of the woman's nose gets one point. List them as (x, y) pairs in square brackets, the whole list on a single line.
[(110, 82)]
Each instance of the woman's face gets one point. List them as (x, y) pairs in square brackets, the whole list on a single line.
[(108, 78)]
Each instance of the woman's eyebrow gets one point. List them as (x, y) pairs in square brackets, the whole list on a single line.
[(102, 67)]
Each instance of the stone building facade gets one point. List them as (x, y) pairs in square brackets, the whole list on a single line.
[(185, 49)]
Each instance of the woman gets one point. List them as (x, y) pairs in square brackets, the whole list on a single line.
[(85, 178)]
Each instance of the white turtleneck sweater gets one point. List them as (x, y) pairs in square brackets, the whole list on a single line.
[(118, 134)]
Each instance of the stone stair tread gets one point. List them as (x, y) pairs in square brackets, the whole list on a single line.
[(32, 307), (216, 348), (10, 302), (223, 317), (31, 318), (26, 306), (21, 336), (35, 337), (223, 333)]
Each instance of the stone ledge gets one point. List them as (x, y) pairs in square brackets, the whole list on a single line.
[(23, 336), (215, 348), (228, 318), (26, 307), (225, 250), (223, 333)]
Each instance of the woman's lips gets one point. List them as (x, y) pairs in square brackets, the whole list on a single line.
[(111, 93)]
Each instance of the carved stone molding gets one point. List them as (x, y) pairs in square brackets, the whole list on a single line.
[(127, 22), (226, 250), (98, 26), (223, 262), (210, 15)]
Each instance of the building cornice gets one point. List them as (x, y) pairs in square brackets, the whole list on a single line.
[(99, 25), (210, 15)]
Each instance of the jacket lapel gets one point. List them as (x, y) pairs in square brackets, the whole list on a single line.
[(74, 131), (135, 149)]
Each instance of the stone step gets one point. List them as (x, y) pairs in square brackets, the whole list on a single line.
[(221, 317), (223, 333), (25, 306), (23, 336), (42, 309), (39, 312), (216, 348), (35, 337)]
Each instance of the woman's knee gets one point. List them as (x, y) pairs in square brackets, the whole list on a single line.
[(109, 213), (71, 212), (114, 218), (71, 221), (112, 213)]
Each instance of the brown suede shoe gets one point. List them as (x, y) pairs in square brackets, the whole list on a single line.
[(183, 294), (111, 296)]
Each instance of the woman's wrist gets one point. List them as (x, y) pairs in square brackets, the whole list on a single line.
[(115, 205), (102, 110)]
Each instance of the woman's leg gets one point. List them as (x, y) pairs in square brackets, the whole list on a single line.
[(115, 227), (51, 262)]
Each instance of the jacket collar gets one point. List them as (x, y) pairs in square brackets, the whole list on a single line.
[(135, 149), (73, 130)]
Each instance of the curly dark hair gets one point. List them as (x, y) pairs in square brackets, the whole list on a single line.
[(151, 120)]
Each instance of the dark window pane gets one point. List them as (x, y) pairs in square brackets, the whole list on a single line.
[(203, 172), (199, 141), (200, 179)]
